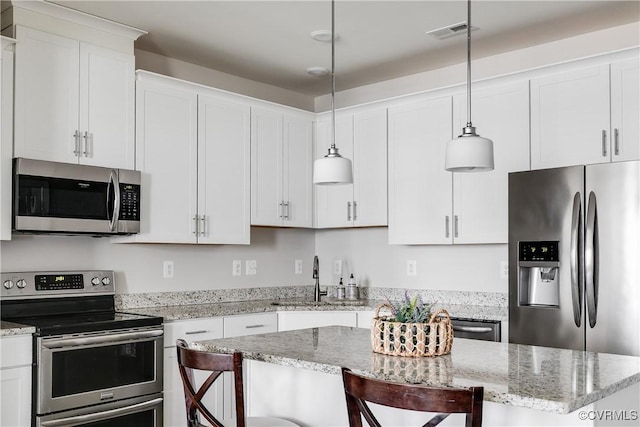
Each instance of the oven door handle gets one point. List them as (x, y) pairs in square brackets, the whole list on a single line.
[(102, 339), (104, 415)]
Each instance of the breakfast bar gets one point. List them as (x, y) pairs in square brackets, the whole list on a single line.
[(295, 374)]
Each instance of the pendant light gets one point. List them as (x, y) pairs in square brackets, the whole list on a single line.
[(332, 168), (469, 152)]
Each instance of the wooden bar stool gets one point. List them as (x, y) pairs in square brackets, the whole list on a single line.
[(217, 363), (359, 390)]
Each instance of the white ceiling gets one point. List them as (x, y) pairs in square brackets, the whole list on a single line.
[(268, 41)]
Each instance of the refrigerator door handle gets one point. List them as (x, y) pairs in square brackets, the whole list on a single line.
[(575, 261), (591, 259)]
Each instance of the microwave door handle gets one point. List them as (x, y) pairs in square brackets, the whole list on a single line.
[(591, 259), (114, 183), (103, 415), (575, 260)]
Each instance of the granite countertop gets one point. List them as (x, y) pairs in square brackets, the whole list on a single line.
[(10, 328), (541, 378), (195, 311)]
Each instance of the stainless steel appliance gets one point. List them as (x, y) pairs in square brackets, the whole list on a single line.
[(475, 329), (574, 252), (51, 197), (92, 364)]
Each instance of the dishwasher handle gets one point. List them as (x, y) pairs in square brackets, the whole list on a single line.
[(473, 329)]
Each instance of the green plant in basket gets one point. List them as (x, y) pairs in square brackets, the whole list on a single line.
[(410, 309)]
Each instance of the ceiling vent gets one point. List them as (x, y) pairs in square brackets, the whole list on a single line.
[(450, 31)]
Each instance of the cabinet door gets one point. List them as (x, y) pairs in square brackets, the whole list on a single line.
[(298, 171), (570, 118), (166, 154), (334, 202), (370, 168), (267, 198), (480, 200), (420, 190), (625, 110), (224, 167), (292, 320), (106, 107), (46, 96), (15, 389), (6, 137)]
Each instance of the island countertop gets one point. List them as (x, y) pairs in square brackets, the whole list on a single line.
[(542, 378)]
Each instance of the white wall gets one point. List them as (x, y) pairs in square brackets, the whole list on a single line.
[(197, 267), (375, 263)]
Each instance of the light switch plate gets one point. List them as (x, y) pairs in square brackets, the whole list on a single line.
[(251, 267), (411, 267), (337, 267), (237, 268)]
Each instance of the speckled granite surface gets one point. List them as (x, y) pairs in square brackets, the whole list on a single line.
[(9, 328), (541, 378)]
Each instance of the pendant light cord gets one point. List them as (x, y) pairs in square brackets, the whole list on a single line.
[(333, 76), (469, 63)]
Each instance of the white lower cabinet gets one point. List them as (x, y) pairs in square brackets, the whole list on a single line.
[(15, 381), (291, 320), (364, 318), (189, 330)]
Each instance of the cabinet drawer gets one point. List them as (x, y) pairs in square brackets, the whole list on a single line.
[(192, 330), (15, 351), (237, 326)]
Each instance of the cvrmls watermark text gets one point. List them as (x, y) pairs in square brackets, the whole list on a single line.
[(609, 415)]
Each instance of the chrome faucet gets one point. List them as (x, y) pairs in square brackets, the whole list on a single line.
[(316, 275)]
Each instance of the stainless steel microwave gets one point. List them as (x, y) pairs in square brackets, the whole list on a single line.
[(63, 198)]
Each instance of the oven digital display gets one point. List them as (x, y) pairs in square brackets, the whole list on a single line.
[(53, 282)]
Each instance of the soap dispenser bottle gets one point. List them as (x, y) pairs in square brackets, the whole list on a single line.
[(340, 291), (352, 291)]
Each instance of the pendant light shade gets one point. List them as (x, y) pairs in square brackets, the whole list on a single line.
[(332, 169), (469, 152)]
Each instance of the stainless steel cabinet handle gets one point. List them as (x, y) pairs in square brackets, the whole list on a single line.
[(604, 143), (574, 261), (85, 139), (282, 209), (455, 226), (76, 143), (203, 229), (355, 211), (254, 326), (286, 206), (103, 415), (195, 225), (199, 332), (591, 259), (616, 141), (446, 226), (348, 211)]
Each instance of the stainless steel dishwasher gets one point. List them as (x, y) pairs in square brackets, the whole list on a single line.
[(487, 330)]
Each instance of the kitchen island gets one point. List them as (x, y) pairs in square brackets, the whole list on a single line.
[(295, 374)]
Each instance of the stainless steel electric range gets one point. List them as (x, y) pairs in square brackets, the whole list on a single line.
[(93, 366)]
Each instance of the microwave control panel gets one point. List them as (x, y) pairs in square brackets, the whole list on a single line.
[(129, 202)]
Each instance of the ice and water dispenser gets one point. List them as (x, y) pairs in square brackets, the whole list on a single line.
[(538, 274)]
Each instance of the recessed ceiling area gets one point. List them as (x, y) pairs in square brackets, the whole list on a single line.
[(269, 41)]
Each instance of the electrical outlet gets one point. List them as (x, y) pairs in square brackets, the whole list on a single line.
[(298, 266), (167, 269), (250, 267), (237, 268), (337, 267), (504, 270), (411, 267)]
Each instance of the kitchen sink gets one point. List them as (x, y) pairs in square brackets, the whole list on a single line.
[(324, 302)]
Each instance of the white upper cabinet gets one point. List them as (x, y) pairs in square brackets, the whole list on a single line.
[(362, 138), (74, 102), (625, 110), (585, 116), (427, 204), (193, 152), (480, 200), (6, 135), (420, 190), (281, 168)]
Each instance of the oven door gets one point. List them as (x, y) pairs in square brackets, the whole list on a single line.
[(92, 368), (138, 412)]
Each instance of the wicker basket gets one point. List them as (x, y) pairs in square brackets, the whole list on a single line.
[(433, 338)]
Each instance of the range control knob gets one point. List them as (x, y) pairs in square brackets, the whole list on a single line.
[(21, 283), (106, 281), (8, 284), (95, 281)]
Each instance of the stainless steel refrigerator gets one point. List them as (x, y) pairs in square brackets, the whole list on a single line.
[(574, 257)]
